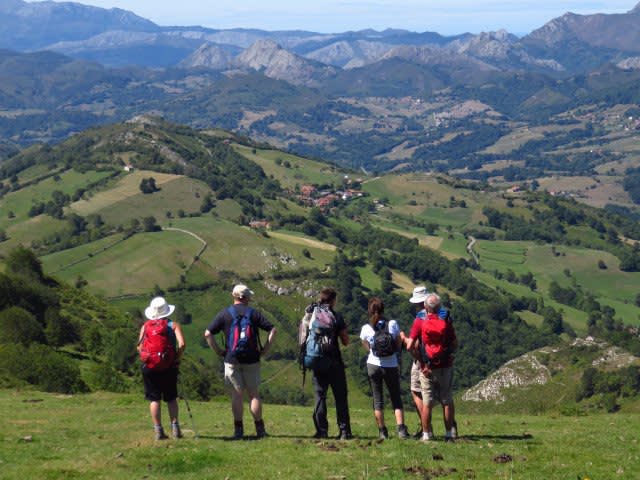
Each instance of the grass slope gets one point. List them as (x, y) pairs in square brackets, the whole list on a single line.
[(108, 436)]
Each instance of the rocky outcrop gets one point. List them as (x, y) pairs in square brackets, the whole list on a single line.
[(523, 371), (632, 63), (350, 54), (491, 45), (211, 56), (435, 56), (274, 61), (531, 368)]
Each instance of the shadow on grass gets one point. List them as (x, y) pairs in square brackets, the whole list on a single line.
[(476, 438), (252, 438)]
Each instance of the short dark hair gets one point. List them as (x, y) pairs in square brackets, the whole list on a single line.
[(328, 295)]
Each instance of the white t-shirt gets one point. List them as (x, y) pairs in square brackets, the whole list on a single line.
[(367, 333)]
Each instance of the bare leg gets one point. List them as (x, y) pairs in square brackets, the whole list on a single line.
[(399, 413), (448, 412), (379, 414), (236, 405), (417, 401), (173, 410), (256, 408), (426, 418), (154, 408)]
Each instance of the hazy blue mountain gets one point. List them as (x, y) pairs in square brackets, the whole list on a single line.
[(32, 26), (584, 42)]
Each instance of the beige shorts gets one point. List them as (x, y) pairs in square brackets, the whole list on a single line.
[(415, 377), (242, 376), (437, 386)]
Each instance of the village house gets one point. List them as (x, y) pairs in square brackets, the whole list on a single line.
[(307, 190), (326, 201), (260, 224)]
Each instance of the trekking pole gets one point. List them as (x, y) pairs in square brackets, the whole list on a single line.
[(193, 424)]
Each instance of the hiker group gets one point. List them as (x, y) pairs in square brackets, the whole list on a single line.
[(431, 342)]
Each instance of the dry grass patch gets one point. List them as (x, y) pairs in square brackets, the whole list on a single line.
[(127, 187), (309, 242)]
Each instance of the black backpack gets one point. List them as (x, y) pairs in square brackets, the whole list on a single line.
[(384, 345)]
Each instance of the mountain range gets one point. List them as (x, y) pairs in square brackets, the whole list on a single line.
[(565, 45), (490, 105)]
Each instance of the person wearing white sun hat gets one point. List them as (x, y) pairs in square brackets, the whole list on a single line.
[(417, 298), (434, 333), (161, 344)]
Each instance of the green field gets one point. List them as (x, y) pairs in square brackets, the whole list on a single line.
[(20, 202), (135, 265), (611, 286), (132, 266), (109, 436), (301, 170), (125, 201)]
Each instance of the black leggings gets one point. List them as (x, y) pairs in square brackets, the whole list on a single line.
[(391, 377)]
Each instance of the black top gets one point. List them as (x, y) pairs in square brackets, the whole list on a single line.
[(223, 320)]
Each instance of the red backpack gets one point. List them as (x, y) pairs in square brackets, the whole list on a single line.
[(158, 351)]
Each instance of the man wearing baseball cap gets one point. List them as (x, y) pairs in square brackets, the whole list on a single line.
[(438, 341), (242, 352)]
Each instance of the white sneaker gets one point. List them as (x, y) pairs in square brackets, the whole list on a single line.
[(454, 432), (426, 436)]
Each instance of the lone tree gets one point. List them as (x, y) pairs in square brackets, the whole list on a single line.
[(148, 185)]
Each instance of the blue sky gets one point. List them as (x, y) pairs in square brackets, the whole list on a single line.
[(443, 16)]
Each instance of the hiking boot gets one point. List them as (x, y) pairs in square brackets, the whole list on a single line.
[(345, 435), (403, 433), (321, 435), (261, 432), (383, 433), (426, 437), (238, 432), (159, 433), (175, 430)]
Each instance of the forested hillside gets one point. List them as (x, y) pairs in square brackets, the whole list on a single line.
[(146, 207)]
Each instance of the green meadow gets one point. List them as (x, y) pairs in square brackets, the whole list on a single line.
[(20, 201), (124, 201), (299, 170), (109, 436), (115, 266), (567, 266)]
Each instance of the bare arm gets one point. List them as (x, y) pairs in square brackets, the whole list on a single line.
[(179, 339), (211, 341), (344, 336), (366, 345), (267, 346), (140, 336)]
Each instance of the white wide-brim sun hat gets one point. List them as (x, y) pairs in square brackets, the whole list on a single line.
[(158, 308), (420, 294)]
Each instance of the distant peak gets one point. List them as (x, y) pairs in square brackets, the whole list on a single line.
[(635, 9), (266, 44)]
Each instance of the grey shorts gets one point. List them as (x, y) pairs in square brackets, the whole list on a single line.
[(437, 386), (415, 377), (242, 376)]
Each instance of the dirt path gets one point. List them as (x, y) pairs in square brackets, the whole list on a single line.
[(200, 252), (472, 242)]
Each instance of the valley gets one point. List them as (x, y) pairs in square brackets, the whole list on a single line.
[(502, 172)]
